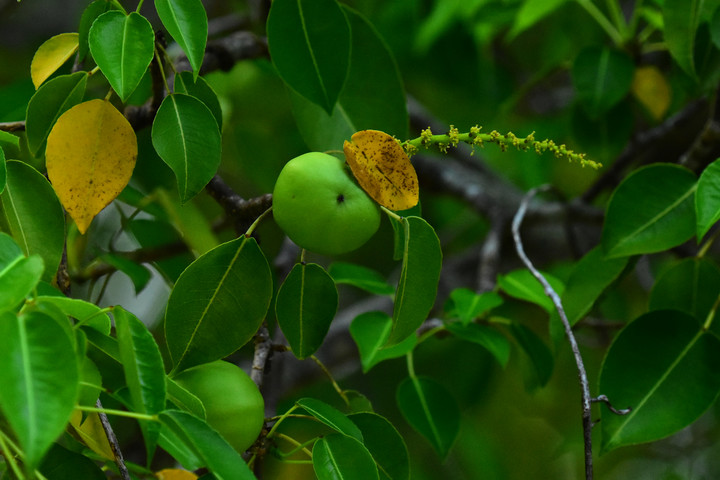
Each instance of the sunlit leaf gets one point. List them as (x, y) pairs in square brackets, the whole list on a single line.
[(91, 153), (338, 457), (186, 136), (34, 216), (371, 330), (85, 313), (187, 22), (309, 45), (18, 279), (123, 47), (305, 306), (431, 410), (466, 305), (664, 367), (383, 169), (51, 55), (521, 284)]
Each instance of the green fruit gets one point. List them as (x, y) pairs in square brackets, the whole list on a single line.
[(321, 208), (233, 404)]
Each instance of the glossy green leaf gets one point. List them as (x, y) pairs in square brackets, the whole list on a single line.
[(521, 284), (50, 101), (139, 274), (85, 313), (186, 136), (531, 12), (218, 303), (183, 399), (9, 141), (123, 47), (40, 381), (338, 457), (9, 250), (466, 305), (374, 101), (200, 89), (540, 356), (144, 372), (385, 444), (370, 330), (360, 277), (602, 77), (91, 12), (417, 287), (691, 286), (309, 44), (681, 19), (18, 279), (305, 307), (331, 417), (650, 211), (492, 340), (33, 215), (187, 23), (216, 454), (63, 464), (588, 280), (431, 410), (707, 198), (664, 367)]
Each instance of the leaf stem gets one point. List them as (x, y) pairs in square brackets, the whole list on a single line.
[(119, 413), (9, 457), (257, 221), (301, 447), (332, 380), (602, 20), (410, 365), (618, 18), (140, 4)]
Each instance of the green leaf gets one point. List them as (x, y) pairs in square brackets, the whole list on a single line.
[(18, 279), (664, 367), (50, 101), (374, 101), (216, 454), (40, 381), (531, 12), (187, 23), (370, 330), (330, 416), (63, 464), (431, 410), (186, 137), (337, 457), (33, 215), (417, 287), (385, 444), (93, 11), (650, 211), (139, 275), (85, 313), (466, 305), (200, 89), (218, 303), (305, 306), (707, 198), (588, 280), (691, 286), (521, 284), (602, 77), (492, 340), (681, 19), (123, 47), (144, 372), (9, 250), (184, 399), (539, 354), (361, 277), (3, 171), (309, 44)]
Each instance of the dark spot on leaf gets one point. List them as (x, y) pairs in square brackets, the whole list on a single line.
[(340, 198)]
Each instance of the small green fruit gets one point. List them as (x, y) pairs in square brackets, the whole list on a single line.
[(321, 208), (233, 404)]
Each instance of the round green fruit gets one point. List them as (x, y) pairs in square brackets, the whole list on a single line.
[(233, 404), (321, 208)]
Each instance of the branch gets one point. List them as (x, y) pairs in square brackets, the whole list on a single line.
[(114, 445), (242, 212), (12, 126)]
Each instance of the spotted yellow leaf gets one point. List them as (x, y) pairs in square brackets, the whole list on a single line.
[(175, 474), (90, 156), (51, 55), (382, 169), (652, 90)]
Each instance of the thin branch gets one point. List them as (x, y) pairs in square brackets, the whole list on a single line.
[(12, 126), (263, 350), (604, 399), (114, 445), (550, 292)]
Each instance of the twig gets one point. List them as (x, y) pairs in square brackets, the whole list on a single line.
[(604, 399), (114, 445), (263, 350), (550, 292), (12, 126)]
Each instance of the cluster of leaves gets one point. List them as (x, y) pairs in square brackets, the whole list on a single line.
[(58, 355)]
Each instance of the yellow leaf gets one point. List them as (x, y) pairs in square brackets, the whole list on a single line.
[(652, 90), (91, 433), (90, 156), (51, 55), (382, 169), (175, 474)]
